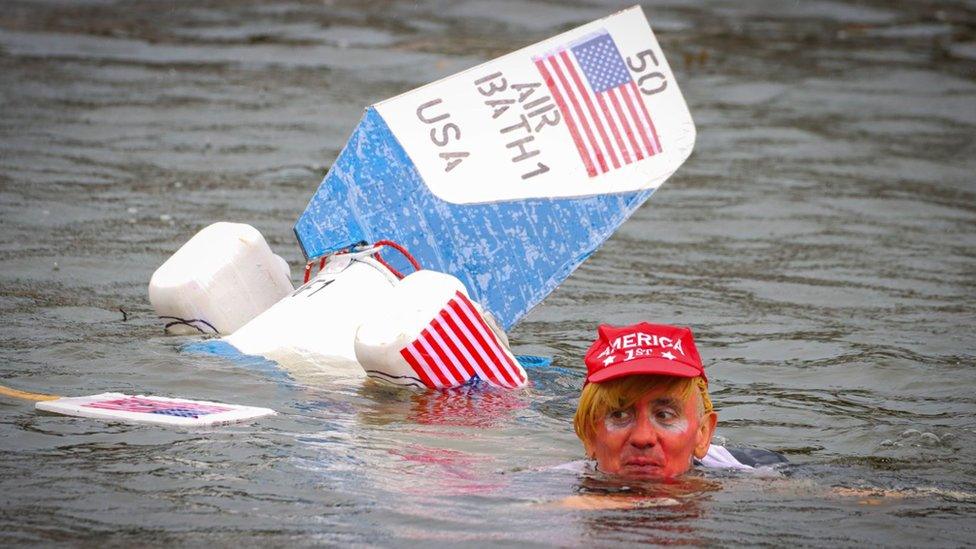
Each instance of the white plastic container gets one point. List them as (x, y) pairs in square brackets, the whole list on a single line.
[(310, 333), (431, 335), (218, 281)]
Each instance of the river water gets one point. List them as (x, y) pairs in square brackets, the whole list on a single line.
[(821, 241)]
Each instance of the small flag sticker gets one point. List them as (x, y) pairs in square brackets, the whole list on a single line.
[(142, 405)]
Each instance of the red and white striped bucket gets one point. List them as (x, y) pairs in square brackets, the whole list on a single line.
[(435, 336)]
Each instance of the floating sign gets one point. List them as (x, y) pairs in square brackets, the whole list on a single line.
[(152, 409), (510, 174)]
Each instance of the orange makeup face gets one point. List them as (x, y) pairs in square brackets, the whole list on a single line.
[(654, 438)]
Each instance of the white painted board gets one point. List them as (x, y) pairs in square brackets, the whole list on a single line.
[(592, 111), (153, 409)]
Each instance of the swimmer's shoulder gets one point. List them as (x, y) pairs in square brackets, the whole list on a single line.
[(720, 457)]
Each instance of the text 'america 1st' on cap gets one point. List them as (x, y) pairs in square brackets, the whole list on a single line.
[(642, 348)]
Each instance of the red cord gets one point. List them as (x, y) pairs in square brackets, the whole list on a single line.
[(382, 262), (402, 250), (390, 243), (308, 267)]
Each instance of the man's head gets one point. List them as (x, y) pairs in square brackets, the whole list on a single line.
[(645, 410)]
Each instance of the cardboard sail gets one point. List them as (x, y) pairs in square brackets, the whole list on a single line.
[(510, 174)]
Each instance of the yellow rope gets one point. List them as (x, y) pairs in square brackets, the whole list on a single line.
[(7, 391)]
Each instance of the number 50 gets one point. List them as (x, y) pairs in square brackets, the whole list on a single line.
[(647, 82)]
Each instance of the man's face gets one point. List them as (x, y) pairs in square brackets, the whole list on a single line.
[(654, 438)]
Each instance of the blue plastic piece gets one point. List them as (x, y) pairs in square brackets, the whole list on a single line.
[(530, 361), (509, 255), (222, 349)]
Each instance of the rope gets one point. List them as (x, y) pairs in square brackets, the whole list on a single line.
[(413, 262), (379, 259), (402, 250), (7, 391)]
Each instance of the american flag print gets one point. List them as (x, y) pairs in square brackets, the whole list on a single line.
[(457, 346), (150, 406), (601, 104)]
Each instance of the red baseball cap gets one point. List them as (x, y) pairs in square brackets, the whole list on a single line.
[(642, 348)]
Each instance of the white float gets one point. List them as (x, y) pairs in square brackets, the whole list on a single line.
[(218, 281), (311, 332), (422, 330)]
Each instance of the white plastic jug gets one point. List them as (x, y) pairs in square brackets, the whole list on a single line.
[(218, 281)]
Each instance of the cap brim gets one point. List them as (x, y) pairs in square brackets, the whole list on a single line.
[(645, 366)]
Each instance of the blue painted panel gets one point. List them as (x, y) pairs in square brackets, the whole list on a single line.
[(222, 349), (510, 255), (531, 361)]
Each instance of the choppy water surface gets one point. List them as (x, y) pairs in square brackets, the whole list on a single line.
[(820, 241)]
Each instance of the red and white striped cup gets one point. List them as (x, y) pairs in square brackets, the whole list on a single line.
[(433, 335)]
